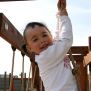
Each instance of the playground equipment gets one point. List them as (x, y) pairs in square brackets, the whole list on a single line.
[(80, 54)]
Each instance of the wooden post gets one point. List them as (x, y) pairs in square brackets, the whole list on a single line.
[(89, 65), (90, 50), (25, 81), (9, 77), (5, 74), (78, 53), (82, 73)]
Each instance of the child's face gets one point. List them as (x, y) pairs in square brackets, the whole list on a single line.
[(38, 39)]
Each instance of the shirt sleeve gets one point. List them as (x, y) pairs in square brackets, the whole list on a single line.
[(56, 52), (64, 28)]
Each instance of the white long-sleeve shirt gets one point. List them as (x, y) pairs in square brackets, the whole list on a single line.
[(53, 64)]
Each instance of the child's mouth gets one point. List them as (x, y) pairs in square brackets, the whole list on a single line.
[(44, 47)]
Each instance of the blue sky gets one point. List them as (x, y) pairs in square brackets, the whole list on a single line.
[(20, 13)]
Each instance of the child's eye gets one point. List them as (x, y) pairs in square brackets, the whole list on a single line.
[(34, 40), (44, 35)]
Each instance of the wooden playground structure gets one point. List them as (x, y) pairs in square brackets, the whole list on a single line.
[(81, 54)]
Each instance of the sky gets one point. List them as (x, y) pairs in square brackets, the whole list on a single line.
[(22, 12)]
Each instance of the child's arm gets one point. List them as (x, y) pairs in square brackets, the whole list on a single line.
[(59, 48), (64, 24), (61, 12)]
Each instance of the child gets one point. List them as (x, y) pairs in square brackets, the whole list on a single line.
[(50, 54)]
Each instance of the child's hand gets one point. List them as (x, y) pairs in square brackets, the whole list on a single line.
[(62, 7), (61, 4)]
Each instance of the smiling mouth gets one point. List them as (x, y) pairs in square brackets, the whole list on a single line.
[(44, 47)]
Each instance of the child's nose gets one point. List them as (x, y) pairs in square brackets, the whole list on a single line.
[(42, 40)]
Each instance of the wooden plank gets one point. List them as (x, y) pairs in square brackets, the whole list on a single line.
[(10, 33), (0, 21), (90, 43), (79, 50)]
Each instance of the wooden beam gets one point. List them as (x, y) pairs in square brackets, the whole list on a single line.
[(11, 34), (79, 50)]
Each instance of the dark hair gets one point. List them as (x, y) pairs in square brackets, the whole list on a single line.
[(32, 25)]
